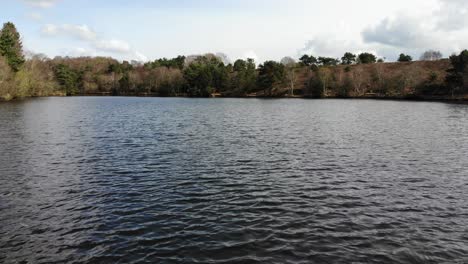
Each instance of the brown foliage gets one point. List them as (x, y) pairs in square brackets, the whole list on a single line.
[(380, 79)]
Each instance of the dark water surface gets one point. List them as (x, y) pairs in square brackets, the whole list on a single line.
[(151, 180)]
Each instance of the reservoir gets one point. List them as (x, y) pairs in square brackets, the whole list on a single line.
[(175, 180)]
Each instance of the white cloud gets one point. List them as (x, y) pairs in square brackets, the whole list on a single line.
[(34, 16), (80, 52), (250, 55), (452, 15), (41, 3), (113, 45), (82, 32), (401, 31), (98, 44), (139, 56), (383, 27), (443, 28), (327, 45)]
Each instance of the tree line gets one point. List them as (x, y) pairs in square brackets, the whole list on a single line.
[(354, 75)]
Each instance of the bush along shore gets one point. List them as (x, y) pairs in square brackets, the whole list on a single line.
[(209, 75)]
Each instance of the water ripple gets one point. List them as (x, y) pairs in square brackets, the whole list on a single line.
[(151, 180)]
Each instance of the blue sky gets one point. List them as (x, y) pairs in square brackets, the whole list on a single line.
[(262, 29)]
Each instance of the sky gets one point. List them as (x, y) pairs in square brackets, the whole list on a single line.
[(145, 30)]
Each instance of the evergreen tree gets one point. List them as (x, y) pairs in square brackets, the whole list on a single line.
[(205, 76), (327, 61), (348, 58), (366, 58), (270, 74), (308, 60), (405, 58), (125, 83), (11, 47), (67, 78), (457, 77)]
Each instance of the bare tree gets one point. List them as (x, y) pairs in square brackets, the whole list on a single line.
[(223, 57), (5, 75), (190, 59), (325, 75), (431, 55), (358, 81), (290, 65)]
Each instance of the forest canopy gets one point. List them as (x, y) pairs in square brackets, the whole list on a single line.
[(353, 75)]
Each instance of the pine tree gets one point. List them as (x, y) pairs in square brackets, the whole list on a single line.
[(11, 47), (67, 78)]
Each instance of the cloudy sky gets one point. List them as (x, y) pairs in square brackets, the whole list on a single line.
[(262, 29)]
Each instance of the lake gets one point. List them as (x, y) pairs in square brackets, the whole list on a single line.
[(174, 180)]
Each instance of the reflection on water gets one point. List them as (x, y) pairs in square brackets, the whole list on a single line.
[(151, 180)]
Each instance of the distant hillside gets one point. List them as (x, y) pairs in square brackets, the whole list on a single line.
[(363, 76), (423, 79)]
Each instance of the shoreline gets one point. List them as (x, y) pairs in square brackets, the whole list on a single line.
[(459, 100)]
